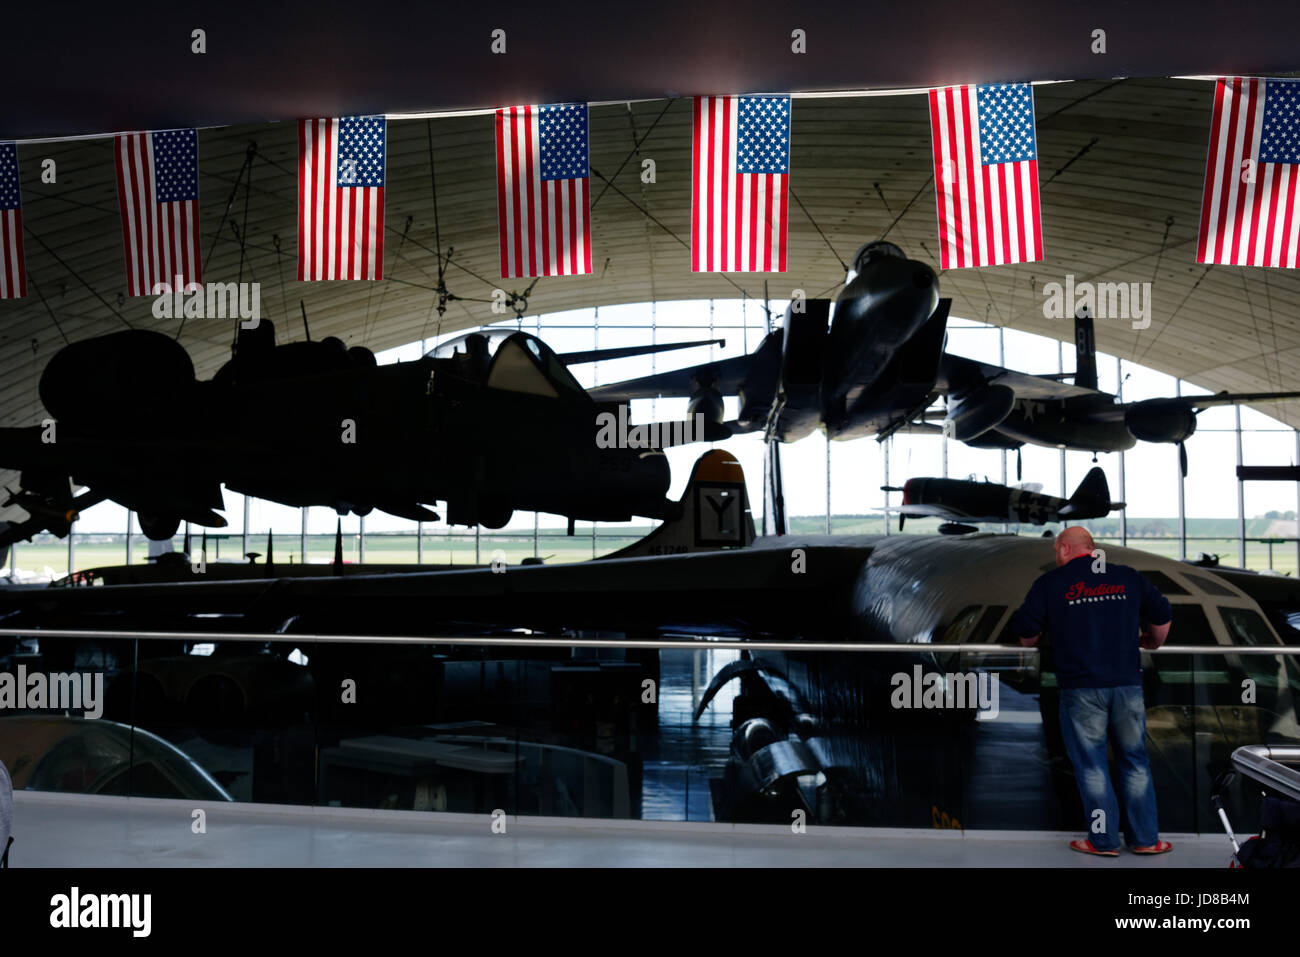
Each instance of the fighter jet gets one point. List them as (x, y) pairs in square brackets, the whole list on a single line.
[(873, 363), (960, 502), (868, 368), (486, 424)]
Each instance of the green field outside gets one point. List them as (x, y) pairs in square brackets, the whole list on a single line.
[(1213, 535)]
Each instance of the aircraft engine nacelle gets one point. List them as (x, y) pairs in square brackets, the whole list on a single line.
[(120, 377), (803, 347), (974, 413), (707, 402), (1158, 420)]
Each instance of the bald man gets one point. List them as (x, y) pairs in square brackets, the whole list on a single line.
[(1099, 616)]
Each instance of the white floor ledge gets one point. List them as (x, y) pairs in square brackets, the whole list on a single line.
[(69, 830)]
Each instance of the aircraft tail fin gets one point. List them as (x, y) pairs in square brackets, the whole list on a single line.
[(713, 513), (1085, 351), (1092, 498)]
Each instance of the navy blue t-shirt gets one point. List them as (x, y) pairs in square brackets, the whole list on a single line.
[(1093, 620)]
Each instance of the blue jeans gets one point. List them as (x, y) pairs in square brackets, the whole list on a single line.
[(1090, 716)]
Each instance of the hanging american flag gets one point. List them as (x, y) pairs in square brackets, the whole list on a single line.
[(13, 270), (543, 190), (1248, 210), (341, 198), (986, 174), (740, 176), (158, 192)]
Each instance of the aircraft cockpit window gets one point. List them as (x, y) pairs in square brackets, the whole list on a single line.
[(487, 340), (1190, 626), (514, 369), (1246, 627), (1208, 585), (524, 364), (961, 625), (1164, 584), (973, 624)]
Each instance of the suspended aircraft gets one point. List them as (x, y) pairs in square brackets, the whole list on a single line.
[(960, 501), (873, 363), (486, 423)]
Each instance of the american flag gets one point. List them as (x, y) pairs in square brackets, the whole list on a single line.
[(158, 192), (341, 198), (1248, 211), (543, 190), (13, 271), (986, 174), (740, 178)]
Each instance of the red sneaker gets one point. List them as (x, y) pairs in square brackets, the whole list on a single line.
[(1159, 847), (1085, 847)]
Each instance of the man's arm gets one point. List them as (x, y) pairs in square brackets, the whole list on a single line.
[(1155, 608), (1030, 618), (1153, 636)]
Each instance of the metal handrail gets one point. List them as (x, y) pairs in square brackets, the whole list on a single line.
[(1264, 763), (553, 642)]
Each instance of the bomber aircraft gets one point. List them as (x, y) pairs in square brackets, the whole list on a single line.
[(486, 423)]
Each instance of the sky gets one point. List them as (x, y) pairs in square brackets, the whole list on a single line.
[(857, 467)]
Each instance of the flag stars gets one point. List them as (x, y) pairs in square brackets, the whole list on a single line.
[(763, 134), (1279, 139), (9, 196), (361, 150), (1006, 123), (562, 140), (176, 165)]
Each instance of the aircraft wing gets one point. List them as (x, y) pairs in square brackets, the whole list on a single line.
[(1198, 402), (727, 375), (955, 370), (747, 592)]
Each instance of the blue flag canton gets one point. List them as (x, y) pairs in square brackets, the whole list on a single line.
[(562, 140), (1006, 123), (175, 165), (9, 196), (361, 151), (763, 134), (1279, 139)]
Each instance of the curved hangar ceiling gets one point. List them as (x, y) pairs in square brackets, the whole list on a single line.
[(1118, 161)]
